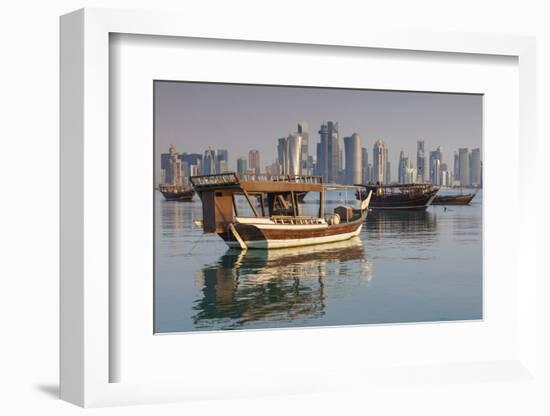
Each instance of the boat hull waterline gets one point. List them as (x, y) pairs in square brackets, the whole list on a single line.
[(280, 236)]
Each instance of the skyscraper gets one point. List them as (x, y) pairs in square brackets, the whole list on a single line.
[(401, 167), (436, 155), (209, 162), (387, 169), (175, 168), (241, 166), (192, 164), (379, 164), (289, 154), (353, 170), (330, 152), (303, 131), (456, 168), (475, 167), (222, 161), (410, 172), (254, 160), (420, 162), (463, 166), (364, 165)]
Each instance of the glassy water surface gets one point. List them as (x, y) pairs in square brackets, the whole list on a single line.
[(406, 266)]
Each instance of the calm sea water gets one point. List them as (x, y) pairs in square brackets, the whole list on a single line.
[(406, 266)]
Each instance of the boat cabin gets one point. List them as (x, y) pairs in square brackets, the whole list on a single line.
[(274, 197)]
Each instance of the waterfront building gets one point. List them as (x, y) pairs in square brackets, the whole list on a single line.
[(319, 157), (456, 169), (175, 168), (370, 173), (254, 160), (222, 161), (289, 154), (209, 162), (409, 172), (242, 166), (165, 168), (194, 170), (463, 166), (436, 158), (364, 165), (435, 171), (379, 164), (305, 165), (420, 162), (353, 169), (475, 167), (446, 179), (294, 148), (401, 167), (330, 152), (273, 169), (190, 159), (387, 167)]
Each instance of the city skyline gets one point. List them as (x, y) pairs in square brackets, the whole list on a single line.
[(414, 116)]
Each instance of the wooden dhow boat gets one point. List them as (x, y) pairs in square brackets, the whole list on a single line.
[(399, 196), (276, 220), (176, 193), (459, 199)]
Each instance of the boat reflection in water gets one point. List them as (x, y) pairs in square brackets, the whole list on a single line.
[(407, 224), (256, 287)]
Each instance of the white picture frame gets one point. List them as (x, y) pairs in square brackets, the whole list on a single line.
[(86, 328)]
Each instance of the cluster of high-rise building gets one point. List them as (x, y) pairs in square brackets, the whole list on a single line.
[(347, 164)]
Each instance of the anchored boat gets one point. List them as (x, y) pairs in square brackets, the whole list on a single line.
[(176, 193), (276, 220), (460, 199), (399, 196)]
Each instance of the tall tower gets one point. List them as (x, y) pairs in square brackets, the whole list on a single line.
[(209, 162), (289, 151), (464, 166), (254, 160), (379, 164), (322, 152), (241, 166), (222, 161), (352, 148), (475, 167), (420, 162), (401, 167), (333, 152), (365, 165), (294, 149), (303, 131), (175, 168), (387, 168)]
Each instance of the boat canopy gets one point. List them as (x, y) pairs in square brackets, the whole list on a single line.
[(262, 182)]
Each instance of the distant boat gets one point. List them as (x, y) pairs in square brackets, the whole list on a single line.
[(176, 193), (399, 196), (460, 199), (276, 221)]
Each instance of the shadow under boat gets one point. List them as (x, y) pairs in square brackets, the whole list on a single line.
[(267, 285)]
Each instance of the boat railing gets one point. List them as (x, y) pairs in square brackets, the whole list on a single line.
[(230, 178), (233, 178), (296, 220), (268, 177)]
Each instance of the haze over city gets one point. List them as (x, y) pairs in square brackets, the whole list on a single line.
[(195, 116)]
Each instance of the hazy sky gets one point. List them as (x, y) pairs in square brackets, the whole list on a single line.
[(193, 116)]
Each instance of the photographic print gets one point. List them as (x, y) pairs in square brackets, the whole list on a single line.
[(292, 206)]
